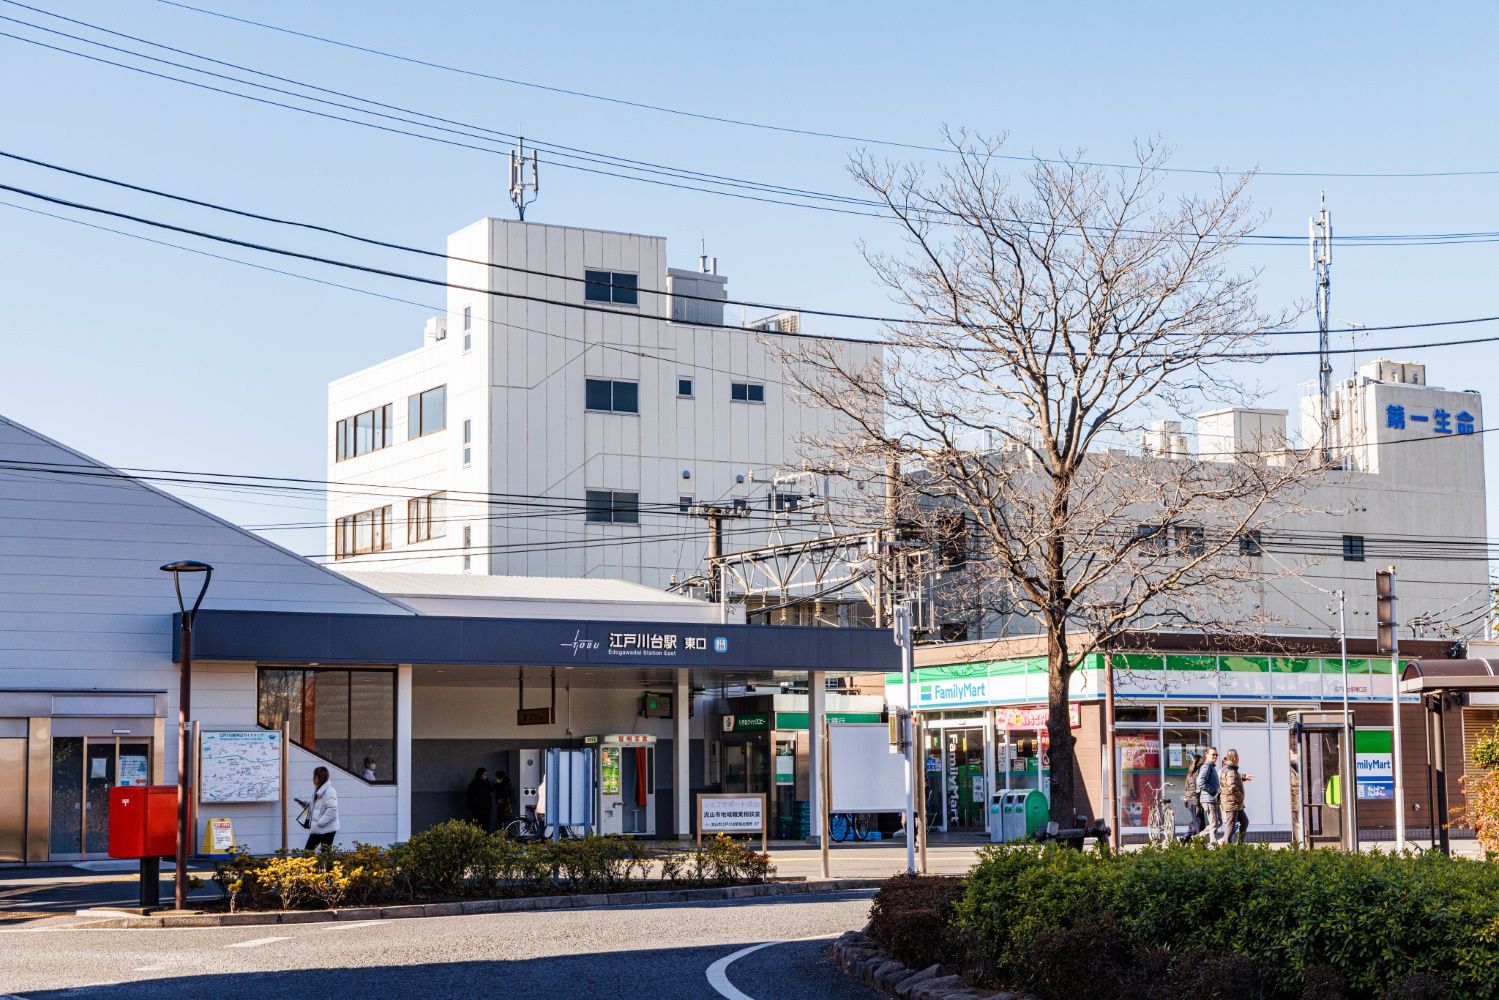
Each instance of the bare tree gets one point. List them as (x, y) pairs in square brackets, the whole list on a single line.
[(1051, 319)]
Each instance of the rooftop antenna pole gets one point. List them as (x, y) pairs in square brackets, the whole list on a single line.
[(1321, 262), (518, 183)]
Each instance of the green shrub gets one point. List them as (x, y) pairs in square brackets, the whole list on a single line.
[(438, 860), (1486, 750), (1368, 918), (911, 916)]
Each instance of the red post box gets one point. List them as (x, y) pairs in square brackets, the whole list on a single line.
[(143, 821)]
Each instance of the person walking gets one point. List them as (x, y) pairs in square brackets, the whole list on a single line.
[(1207, 796), (480, 799), (1190, 794), (1231, 799), (322, 811)]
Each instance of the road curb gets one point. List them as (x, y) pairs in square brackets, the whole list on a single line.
[(115, 919), (860, 958)]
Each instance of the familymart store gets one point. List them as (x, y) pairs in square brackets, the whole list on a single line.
[(984, 708)]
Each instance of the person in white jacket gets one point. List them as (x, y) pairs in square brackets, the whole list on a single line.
[(322, 811)]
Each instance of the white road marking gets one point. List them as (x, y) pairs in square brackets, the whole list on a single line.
[(718, 972), (152, 968), (346, 927), (257, 942)]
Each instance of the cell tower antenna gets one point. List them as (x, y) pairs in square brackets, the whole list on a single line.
[(518, 183), (1321, 262)]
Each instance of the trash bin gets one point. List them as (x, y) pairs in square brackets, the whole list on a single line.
[(1036, 811), (1017, 815), (996, 818)]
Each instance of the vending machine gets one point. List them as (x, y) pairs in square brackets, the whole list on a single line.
[(626, 783)]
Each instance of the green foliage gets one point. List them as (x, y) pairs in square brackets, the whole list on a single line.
[(1486, 750), (1354, 922), (457, 859), (910, 918)]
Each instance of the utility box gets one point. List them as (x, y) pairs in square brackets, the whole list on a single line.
[(143, 821), (1017, 815)]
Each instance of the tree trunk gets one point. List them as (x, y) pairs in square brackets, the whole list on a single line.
[(1059, 726)]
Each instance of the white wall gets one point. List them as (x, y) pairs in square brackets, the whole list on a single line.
[(476, 712), (84, 605), (523, 385)]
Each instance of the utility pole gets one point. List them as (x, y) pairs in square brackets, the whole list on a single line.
[(717, 572), (902, 635), (1389, 641), (1350, 759), (1321, 262), (518, 182)]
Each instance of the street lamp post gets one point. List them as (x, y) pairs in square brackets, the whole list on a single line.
[(184, 705)]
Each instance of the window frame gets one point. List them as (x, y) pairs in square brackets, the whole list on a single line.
[(1354, 548), (346, 532), (595, 510), (591, 385), (750, 391), (299, 739), (346, 432), (468, 442), (1252, 544), (416, 406), (421, 524), (615, 291), (468, 317), (691, 385)]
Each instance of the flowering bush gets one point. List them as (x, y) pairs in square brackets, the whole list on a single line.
[(1481, 794)]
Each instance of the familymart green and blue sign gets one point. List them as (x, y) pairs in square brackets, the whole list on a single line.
[(1147, 675)]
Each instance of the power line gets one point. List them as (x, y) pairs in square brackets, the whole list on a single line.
[(566, 153), (518, 296), (786, 129)]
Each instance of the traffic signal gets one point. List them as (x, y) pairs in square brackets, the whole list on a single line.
[(1384, 608)]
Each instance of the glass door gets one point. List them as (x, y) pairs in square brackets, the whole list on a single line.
[(99, 778), (66, 838)]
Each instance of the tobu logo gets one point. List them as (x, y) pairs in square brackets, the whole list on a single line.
[(720, 645)]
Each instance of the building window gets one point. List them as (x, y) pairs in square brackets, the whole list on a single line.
[(684, 387), (608, 396), (362, 533), (346, 717), (468, 317), (618, 287), (1152, 539), (684, 505), (612, 507), (426, 412), (784, 501), (1245, 714), (740, 505), (1353, 548), (747, 392), (1251, 543), (1190, 540), (468, 540), (468, 342), (468, 442), (426, 517), (365, 432)]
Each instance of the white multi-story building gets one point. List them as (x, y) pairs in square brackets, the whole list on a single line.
[(565, 416)]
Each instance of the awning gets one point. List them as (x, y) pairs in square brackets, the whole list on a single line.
[(294, 637), (1434, 676)]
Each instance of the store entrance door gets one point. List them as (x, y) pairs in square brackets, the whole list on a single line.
[(965, 796), (84, 769)]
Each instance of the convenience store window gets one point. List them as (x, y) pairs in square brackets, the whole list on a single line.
[(1156, 745)]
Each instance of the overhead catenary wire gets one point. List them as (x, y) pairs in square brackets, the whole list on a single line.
[(769, 126)]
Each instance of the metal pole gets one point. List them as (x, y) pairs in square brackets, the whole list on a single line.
[(826, 788), (919, 733), (184, 706), (903, 639), (1110, 756), (1440, 756), (1349, 783), (1397, 764)]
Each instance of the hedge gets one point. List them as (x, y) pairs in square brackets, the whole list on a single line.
[(1370, 920), (457, 859)]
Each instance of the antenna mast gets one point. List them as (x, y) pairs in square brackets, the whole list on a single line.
[(518, 183), (1321, 261)]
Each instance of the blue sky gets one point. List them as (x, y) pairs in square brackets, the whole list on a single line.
[(101, 331)]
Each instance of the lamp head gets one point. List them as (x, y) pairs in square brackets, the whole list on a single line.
[(188, 566)]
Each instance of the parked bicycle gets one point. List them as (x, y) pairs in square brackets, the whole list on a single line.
[(534, 826), (1161, 818), (848, 826)]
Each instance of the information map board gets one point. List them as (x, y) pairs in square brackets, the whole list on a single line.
[(239, 766)]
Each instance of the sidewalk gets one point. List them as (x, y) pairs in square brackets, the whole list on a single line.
[(50, 890)]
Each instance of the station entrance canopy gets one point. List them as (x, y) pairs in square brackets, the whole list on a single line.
[(324, 638)]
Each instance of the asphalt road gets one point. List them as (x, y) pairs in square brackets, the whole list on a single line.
[(669, 951)]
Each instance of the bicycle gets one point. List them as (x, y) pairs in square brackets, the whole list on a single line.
[(848, 826), (1161, 822), (534, 827)]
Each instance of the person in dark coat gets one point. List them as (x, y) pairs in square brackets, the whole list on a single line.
[(504, 797), (480, 799), (1191, 797)]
